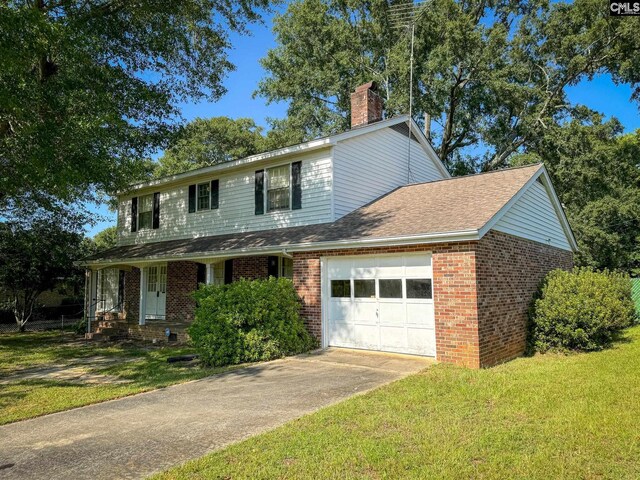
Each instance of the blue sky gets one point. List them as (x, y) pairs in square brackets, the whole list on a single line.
[(599, 94)]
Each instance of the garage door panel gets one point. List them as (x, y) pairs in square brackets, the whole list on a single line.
[(339, 310), (367, 336), (393, 337), (341, 270), (420, 314), (392, 313), (380, 318), (390, 267), (342, 333), (364, 312)]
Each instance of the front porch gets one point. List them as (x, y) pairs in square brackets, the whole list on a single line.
[(153, 301)]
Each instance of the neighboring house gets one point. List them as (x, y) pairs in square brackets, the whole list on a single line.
[(386, 251)]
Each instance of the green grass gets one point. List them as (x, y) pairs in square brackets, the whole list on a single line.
[(24, 399), (548, 416), (635, 293)]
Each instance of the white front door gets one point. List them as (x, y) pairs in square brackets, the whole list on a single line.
[(156, 288), (380, 303)]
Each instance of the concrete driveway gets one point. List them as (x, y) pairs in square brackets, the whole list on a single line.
[(139, 435)]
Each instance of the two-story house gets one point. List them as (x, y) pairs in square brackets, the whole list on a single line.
[(385, 249)]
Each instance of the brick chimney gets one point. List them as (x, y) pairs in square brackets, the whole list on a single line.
[(366, 105)]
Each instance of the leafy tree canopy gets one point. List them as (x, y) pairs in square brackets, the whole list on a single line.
[(205, 142), (491, 74), (88, 90), (596, 172), (34, 258), (106, 238)]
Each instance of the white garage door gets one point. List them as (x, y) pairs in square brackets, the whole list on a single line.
[(380, 303)]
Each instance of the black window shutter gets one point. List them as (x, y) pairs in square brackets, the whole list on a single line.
[(228, 271), (192, 198), (272, 269), (296, 180), (134, 214), (260, 192), (156, 210), (202, 273), (215, 193)]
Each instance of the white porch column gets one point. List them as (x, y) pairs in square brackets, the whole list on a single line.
[(209, 273), (93, 293), (143, 295)]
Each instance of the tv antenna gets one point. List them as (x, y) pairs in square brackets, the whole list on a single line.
[(404, 16)]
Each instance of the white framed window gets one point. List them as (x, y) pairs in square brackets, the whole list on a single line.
[(145, 212), (204, 196), (279, 188), (152, 279), (218, 273), (286, 267)]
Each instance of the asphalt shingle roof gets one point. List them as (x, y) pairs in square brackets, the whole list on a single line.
[(444, 206)]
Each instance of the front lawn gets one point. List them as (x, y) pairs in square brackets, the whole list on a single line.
[(550, 416), (37, 372)]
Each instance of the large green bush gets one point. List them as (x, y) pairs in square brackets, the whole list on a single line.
[(580, 310), (248, 321)]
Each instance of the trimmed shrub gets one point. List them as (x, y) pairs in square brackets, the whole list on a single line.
[(248, 321), (580, 310)]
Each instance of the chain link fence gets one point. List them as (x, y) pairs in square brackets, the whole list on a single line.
[(41, 325)]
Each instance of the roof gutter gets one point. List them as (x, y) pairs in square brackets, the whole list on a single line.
[(286, 250)]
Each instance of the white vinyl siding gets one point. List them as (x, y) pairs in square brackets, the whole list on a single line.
[(236, 212), (533, 217), (371, 165)]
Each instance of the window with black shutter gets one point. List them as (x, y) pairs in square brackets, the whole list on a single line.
[(192, 198), (215, 193), (259, 192), (296, 185), (156, 210), (134, 214)]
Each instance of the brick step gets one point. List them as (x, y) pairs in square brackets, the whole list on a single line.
[(94, 336), (107, 324), (107, 331)]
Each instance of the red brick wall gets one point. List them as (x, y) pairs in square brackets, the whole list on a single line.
[(250, 268), (454, 301), (481, 293), (509, 270), (181, 283), (132, 295)]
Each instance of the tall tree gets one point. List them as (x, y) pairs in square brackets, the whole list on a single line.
[(106, 239), (596, 172), (34, 258), (492, 74), (88, 89), (205, 142)]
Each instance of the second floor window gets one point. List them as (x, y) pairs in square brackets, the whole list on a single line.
[(204, 196), (145, 213), (278, 188)]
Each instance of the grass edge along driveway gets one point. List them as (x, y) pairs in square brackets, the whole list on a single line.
[(130, 368), (549, 416)]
